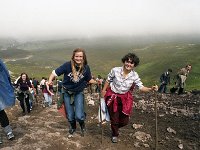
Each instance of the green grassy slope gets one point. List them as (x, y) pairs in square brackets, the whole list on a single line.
[(160, 57), (103, 54), (13, 53)]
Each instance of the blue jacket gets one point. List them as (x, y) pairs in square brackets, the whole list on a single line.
[(7, 96), (165, 78)]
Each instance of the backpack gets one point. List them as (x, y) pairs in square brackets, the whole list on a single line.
[(35, 83)]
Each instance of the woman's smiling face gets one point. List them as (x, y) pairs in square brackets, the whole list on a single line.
[(78, 58), (129, 65), (23, 77)]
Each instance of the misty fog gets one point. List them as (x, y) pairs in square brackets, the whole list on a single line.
[(26, 19)]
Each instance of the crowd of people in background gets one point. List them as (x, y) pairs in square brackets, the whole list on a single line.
[(116, 89), (27, 90)]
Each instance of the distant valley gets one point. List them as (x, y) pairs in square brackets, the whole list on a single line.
[(39, 58)]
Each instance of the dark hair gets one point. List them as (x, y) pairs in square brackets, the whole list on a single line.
[(188, 65), (132, 57), (27, 78), (170, 70)]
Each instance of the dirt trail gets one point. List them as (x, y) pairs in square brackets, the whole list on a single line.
[(16, 59), (46, 129)]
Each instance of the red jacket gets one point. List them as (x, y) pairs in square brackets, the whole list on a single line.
[(127, 101)]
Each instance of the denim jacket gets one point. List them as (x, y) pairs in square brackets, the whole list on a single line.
[(7, 96)]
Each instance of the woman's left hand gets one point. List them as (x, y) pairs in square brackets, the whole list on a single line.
[(154, 88)]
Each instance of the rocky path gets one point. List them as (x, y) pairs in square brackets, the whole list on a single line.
[(46, 129)]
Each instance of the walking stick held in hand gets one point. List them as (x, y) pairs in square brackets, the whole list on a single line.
[(156, 121), (101, 126), (56, 90)]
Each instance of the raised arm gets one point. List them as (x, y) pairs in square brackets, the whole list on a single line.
[(52, 77), (103, 92)]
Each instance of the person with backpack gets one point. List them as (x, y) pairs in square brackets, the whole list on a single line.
[(35, 85), (117, 92), (164, 80), (180, 79), (7, 99), (76, 77)]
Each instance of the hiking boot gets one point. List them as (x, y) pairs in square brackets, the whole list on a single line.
[(10, 136), (72, 127), (173, 90), (82, 132), (45, 105), (71, 131), (114, 139), (23, 113), (82, 125), (180, 91)]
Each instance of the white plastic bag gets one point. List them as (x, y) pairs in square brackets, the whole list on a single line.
[(104, 112)]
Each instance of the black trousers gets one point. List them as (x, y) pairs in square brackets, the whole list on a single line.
[(22, 98), (3, 119)]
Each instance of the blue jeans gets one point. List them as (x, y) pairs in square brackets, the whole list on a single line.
[(75, 111)]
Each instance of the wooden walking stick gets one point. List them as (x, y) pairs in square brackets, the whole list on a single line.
[(57, 90), (101, 126), (156, 121)]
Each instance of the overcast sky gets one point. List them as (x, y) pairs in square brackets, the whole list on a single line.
[(77, 18)]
